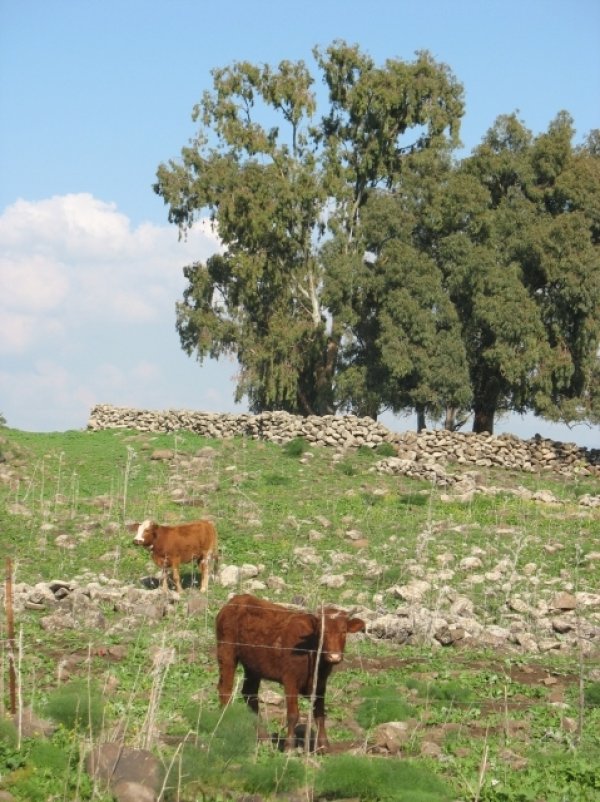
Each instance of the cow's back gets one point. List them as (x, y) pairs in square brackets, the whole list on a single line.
[(187, 541), (267, 638)]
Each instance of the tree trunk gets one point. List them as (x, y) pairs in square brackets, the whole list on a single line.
[(450, 420), (455, 419), (421, 424), (485, 404), (483, 420)]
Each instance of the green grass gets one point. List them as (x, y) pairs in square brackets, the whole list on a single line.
[(77, 705), (294, 512), (377, 780), (383, 704), (552, 776), (452, 692)]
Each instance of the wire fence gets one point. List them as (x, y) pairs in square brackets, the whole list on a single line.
[(277, 636)]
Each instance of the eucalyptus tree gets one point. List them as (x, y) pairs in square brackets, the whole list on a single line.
[(562, 271), (380, 119), (285, 191), (523, 272), (259, 299), (419, 360)]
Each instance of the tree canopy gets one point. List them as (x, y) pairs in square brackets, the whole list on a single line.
[(364, 268)]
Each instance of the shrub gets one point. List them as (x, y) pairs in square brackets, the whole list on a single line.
[(379, 779), (386, 450), (194, 770), (226, 734), (224, 737), (382, 704), (295, 447), (8, 732), (77, 705), (276, 774), (347, 467), (49, 756), (450, 691), (276, 480), (592, 694), (47, 769), (553, 776)]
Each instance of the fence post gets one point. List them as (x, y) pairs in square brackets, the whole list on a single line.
[(10, 627)]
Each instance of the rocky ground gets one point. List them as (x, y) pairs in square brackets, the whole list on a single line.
[(434, 607)]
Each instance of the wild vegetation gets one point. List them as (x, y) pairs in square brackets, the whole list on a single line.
[(407, 721), (364, 267)]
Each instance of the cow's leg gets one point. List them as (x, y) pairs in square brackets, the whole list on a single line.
[(203, 568), (322, 743), (227, 663), (293, 713), (250, 694), (165, 576), (176, 576), (250, 689)]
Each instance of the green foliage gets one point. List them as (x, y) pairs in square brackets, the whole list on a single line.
[(50, 756), (295, 447), (77, 705), (195, 772), (274, 774), (592, 694), (8, 732), (553, 777), (382, 704), (222, 737), (532, 343), (226, 734), (45, 769), (347, 467), (275, 479), (366, 269), (274, 190), (449, 691), (407, 526), (379, 780), (386, 450)]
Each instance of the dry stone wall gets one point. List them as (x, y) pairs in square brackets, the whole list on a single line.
[(348, 431)]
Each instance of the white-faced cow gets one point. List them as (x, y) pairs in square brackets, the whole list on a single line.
[(292, 647), (170, 546)]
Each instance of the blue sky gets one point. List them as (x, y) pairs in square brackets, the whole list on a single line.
[(96, 93)]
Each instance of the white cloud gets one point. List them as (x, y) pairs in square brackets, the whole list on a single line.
[(71, 225), (86, 303), (79, 257), (33, 282), (19, 332)]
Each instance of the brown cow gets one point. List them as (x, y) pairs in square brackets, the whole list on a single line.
[(282, 644), (172, 545)]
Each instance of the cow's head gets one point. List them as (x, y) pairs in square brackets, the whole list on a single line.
[(336, 625), (145, 533)]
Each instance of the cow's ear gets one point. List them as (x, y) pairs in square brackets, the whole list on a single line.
[(132, 527), (356, 625)]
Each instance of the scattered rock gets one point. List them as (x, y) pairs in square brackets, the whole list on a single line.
[(333, 580), (390, 737), (413, 591), (564, 601), (562, 624), (164, 454), (342, 431), (113, 764)]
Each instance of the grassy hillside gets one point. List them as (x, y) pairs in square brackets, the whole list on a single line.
[(313, 525)]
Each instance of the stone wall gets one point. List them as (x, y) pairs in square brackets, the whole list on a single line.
[(348, 431)]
